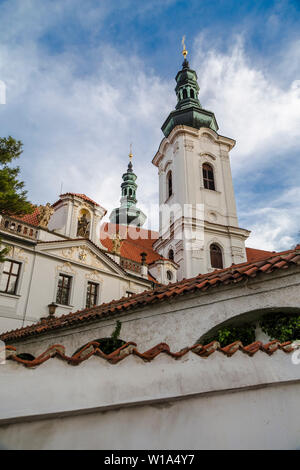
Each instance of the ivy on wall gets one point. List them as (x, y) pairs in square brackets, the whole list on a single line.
[(108, 345), (280, 326)]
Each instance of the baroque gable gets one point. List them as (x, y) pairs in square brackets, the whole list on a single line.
[(81, 254)]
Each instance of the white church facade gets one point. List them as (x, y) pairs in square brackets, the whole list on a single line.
[(70, 276)]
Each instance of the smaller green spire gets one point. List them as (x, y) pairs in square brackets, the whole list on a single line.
[(128, 213), (187, 88)]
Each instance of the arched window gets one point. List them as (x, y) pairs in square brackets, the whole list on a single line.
[(169, 184), (171, 255), (208, 176), (192, 94), (184, 94), (216, 259)]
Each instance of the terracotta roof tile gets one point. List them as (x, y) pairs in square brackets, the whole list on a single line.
[(229, 276), (134, 241), (81, 196), (31, 219), (93, 348), (254, 254)]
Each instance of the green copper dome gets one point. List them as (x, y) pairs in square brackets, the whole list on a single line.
[(188, 111), (128, 213)]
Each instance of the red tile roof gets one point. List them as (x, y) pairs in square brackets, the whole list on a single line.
[(135, 241), (81, 196), (31, 219), (253, 254), (233, 275), (93, 348)]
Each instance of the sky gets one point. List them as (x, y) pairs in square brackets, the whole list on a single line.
[(84, 79)]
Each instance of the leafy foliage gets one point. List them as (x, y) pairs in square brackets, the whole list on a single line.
[(13, 197), (12, 194), (281, 326), (244, 333), (108, 345)]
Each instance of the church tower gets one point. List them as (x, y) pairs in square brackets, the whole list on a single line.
[(128, 213), (198, 219)]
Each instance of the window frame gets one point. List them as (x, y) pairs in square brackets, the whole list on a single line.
[(171, 254), (10, 275), (130, 293), (89, 294), (208, 181), (169, 184), (58, 287), (220, 252)]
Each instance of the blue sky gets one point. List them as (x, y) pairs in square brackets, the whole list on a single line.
[(86, 78)]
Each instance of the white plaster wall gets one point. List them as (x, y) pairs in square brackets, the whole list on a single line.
[(240, 402)]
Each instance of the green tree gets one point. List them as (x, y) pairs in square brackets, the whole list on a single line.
[(13, 197)]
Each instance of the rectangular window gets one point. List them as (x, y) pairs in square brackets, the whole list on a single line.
[(10, 277), (208, 177), (63, 289), (91, 294)]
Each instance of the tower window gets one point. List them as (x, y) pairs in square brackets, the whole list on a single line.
[(169, 184), (208, 177), (171, 255), (184, 94), (192, 94), (216, 259)]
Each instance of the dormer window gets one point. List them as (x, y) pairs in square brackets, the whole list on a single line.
[(216, 258), (169, 184), (208, 177)]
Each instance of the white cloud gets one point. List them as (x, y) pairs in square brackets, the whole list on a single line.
[(276, 227), (78, 112), (261, 116), (77, 129)]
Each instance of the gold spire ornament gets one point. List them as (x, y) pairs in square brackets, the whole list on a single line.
[(130, 153), (184, 51)]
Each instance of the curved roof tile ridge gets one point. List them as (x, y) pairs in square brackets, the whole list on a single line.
[(93, 348)]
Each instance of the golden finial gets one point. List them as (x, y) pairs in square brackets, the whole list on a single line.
[(184, 51), (130, 152)]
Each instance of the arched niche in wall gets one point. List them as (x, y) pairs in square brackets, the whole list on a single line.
[(248, 318), (83, 223)]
